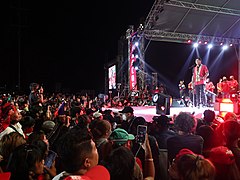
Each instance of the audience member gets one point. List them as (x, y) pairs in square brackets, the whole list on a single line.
[(128, 118), (219, 136), (208, 119), (137, 149), (7, 145), (14, 125), (120, 137), (188, 165), (27, 123), (26, 162), (224, 162), (162, 130), (184, 125), (207, 133), (231, 132), (78, 154), (101, 130)]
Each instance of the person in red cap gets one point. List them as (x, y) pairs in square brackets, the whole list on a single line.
[(188, 165), (224, 162), (6, 110), (233, 85)]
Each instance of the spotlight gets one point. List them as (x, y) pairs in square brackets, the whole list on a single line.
[(221, 44), (136, 44), (199, 42), (225, 47), (210, 46), (231, 45), (135, 64), (189, 41), (195, 45), (205, 42), (162, 104)]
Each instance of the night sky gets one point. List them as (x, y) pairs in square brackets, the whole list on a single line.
[(68, 44)]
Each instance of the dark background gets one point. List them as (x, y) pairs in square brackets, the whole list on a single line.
[(67, 44)]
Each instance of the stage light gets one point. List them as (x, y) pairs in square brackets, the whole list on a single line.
[(195, 45), (135, 64), (210, 46), (163, 103), (189, 41), (231, 45), (136, 44), (221, 44), (226, 105), (205, 42), (225, 47), (199, 42)]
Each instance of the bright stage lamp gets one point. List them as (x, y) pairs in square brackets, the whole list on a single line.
[(195, 45), (136, 44), (226, 105), (225, 47), (210, 46)]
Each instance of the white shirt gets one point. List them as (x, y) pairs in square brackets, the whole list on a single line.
[(58, 176), (8, 130)]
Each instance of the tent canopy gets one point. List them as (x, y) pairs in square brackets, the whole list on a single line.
[(216, 21)]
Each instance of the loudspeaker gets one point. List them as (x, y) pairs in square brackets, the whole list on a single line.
[(163, 104), (178, 103)]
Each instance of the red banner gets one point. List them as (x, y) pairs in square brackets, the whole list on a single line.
[(132, 70)]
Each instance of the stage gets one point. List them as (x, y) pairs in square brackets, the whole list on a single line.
[(149, 111)]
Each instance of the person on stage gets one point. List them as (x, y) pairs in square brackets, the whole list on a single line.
[(219, 88), (182, 88), (210, 92), (200, 73), (233, 85), (191, 94), (225, 87)]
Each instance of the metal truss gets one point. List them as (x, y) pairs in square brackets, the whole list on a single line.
[(203, 7), (160, 35)]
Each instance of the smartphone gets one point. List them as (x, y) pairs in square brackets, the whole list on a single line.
[(50, 158), (141, 133)]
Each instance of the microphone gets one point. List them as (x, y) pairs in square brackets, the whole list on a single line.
[(192, 66)]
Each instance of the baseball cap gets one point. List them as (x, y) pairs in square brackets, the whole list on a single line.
[(221, 155), (162, 120), (48, 125), (97, 114), (184, 151), (127, 109), (98, 172), (120, 135)]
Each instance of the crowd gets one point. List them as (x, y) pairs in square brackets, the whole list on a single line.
[(59, 136)]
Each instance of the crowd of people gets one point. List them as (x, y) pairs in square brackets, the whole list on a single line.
[(59, 136)]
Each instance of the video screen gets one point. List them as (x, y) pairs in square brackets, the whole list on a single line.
[(112, 77)]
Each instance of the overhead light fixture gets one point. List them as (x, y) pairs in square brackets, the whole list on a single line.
[(195, 45), (225, 47), (210, 46)]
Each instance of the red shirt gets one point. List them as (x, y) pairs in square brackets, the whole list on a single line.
[(200, 74), (210, 86), (225, 87)]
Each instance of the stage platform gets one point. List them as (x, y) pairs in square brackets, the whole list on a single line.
[(149, 111)]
